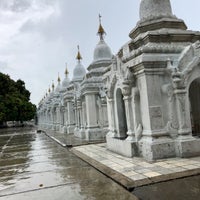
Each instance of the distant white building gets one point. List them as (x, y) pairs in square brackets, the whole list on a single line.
[(146, 99)]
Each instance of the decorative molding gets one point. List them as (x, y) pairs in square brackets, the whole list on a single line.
[(126, 89), (111, 86)]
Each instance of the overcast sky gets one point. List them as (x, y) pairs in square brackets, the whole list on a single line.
[(37, 37)]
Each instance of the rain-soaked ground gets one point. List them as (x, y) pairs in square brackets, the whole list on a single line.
[(32, 166)]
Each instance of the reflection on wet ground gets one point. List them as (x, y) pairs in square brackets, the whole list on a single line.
[(34, 167), (180, 189)]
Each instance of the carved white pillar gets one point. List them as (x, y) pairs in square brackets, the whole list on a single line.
[(66, 116), (46, 119), (136, 108), (104, 113), (111, 117), (70, 114), (62, 117), (54, 118), (100, 113), (83, 115), (129, 112), (90, 100), (180, 95), (79, 109), (42, 119), (50, 119), (75, 115), (172, 124), (57, 116), (70, 123)]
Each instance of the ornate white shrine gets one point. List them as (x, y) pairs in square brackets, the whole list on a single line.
[(146, 99)]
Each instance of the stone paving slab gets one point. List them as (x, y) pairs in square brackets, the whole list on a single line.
[(69, 140), (135, 172)]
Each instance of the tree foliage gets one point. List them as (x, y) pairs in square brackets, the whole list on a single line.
[(15, 102)]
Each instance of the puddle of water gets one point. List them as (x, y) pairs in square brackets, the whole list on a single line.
[(34, 162)]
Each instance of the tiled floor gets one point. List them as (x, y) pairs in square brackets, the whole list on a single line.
[(133, 172)]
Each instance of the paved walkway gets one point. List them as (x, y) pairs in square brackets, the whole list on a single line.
[(32, 166), (129, 172), (134, 172)]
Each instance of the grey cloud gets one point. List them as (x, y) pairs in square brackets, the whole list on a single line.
[(28, 26), (23, 5), (50, 28), (15, 5), (3, 65), (46, 28)]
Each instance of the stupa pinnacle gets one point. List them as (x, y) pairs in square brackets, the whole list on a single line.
[(79, 71), (152, 9), (155, 15)]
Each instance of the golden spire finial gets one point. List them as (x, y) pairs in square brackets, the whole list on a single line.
[(100, 18), (49, 89), (53, 86), (66, 70), (101, 30), (78, 57), (58, 78)]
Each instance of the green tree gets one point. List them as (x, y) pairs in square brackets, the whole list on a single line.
[(15, 102)]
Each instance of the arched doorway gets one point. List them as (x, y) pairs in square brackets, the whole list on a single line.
[(194, 96), (121, 113)]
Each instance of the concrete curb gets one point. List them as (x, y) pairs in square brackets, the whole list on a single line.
[(114, 175), (53, 138)]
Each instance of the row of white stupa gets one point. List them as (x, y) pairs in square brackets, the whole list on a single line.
[(145, 100), (66, 108)]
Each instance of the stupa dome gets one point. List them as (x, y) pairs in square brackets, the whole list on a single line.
[(102, 51), (66, 81), (79, 70), (58, 87)]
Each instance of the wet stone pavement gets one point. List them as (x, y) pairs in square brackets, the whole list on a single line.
[(32, 166)]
